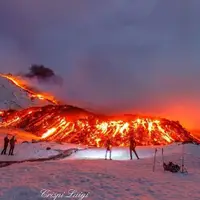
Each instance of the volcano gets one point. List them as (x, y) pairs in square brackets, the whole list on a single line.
[(64, 123), (75, 125)]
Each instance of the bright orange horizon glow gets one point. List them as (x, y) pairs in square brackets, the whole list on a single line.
[(186, 112)]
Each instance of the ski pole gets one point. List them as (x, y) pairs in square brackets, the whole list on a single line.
[(163, 158), (183, 158), (154, 162)]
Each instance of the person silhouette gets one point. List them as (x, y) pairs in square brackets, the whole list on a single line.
[(132, 148), (108, 148), (12, 145), (6, 141)]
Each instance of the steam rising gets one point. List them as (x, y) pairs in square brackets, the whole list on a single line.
[(114, 56)]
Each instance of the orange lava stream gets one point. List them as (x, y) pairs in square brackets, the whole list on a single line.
[(22, 84), (62, 123)]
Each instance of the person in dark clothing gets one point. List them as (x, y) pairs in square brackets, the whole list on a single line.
[(6, 141), (132, 148), (12, 145), (108, 148)]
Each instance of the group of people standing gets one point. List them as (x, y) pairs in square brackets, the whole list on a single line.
[(12, 142), (132, 147)]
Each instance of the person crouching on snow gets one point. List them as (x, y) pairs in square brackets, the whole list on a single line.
[(6, 141), (12, 145), (108, 148), (132, 148)]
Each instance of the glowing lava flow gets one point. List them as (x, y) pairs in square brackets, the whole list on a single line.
[(22, 84), (75, 125)]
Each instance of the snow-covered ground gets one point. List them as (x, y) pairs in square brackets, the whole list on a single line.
[(12, 97), (29, 150), (87, 171)]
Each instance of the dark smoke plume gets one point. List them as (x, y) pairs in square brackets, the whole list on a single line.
[(44, 74)]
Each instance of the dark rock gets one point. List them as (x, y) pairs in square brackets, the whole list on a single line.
[(25, 142), (48, 148), (190, 142), (35, 141)]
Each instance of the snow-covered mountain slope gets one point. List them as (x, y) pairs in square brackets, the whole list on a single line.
[(103, 179), (12, 97)]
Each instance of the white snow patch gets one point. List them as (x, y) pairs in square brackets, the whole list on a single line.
[(113, 180), (26, 151), (15, 98)]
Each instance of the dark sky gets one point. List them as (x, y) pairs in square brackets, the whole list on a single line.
[(114, 55)]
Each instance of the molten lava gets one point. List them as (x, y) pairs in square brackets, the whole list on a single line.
[(75, 125), (24, 86)]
